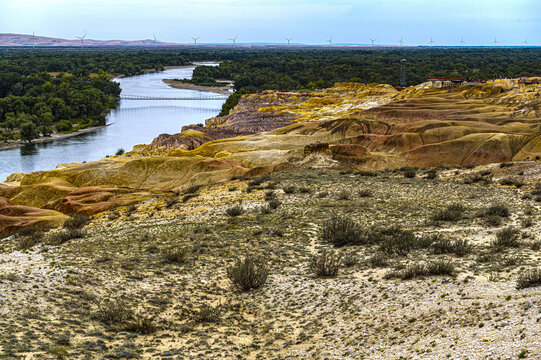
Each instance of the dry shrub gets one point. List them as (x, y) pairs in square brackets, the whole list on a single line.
[(341, 231), (530, 278), (326, 264), (248, 273)]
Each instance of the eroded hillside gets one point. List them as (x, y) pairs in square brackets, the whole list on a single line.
[(354, 126)]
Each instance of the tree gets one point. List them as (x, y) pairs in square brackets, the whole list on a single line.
[(45, 130), (28, 131)]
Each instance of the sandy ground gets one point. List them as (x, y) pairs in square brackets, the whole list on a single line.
[(50, 295), (181, 85)]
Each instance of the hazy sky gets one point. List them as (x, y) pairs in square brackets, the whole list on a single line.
[(307, 21)]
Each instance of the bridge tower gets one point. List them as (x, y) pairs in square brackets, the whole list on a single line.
[(403, 76)]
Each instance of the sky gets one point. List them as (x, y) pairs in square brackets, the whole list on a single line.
[(479, 22)]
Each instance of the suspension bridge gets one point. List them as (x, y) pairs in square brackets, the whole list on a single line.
[(140, 97)]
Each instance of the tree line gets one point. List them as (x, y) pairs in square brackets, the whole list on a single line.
[(46, 90), (42, 93), (309, 70)]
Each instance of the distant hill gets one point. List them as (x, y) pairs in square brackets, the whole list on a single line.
[(10, 40), (23, 40)]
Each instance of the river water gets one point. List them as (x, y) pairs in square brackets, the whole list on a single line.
[(132, 122)]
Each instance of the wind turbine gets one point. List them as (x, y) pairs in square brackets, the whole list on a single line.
[(330, 40), (401, 41), (33, 40), (288, 41), (234, 40), (525, 42), (431, 42), (462, 42), (82, 38), (495, 42), (195, 39), (373, 41), (156, 41)]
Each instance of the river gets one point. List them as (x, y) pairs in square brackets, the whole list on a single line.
[(132, 122)]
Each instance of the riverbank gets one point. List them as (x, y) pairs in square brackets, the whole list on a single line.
[(135, 122), (177, 84), (53, 137)]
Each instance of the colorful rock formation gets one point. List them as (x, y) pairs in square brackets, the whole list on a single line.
[(350, 125)]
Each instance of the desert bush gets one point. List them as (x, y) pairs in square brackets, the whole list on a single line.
[(506, 238), (208, 314), (29, 237), (535, 245), (508, 260), (76, 221), (409, 173), (322, 194), (426, 241), (234, 211), (453, 212), (365, 193), (28, 231), (341, 231), (58, 352), (457, 247), (344, 194), (516, 182), (248, 273), (289, 189), (326, 264), (493, 220), (475, 178), (63, 236), (431, 174), (498, 210), (274, 204), (536, 189), (529, 278), (269, 195), (258, 180), (27, 242), (379, 259), (305, 190), (350, 258), (433, 268), (527, 222), (395, 241), (141, 325), (366, 173), (114, 311), (175, 255)]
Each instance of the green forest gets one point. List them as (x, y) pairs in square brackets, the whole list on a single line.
[(62, 90), (309, 70), (298, 70)]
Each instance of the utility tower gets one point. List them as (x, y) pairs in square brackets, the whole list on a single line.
[(403, 77)]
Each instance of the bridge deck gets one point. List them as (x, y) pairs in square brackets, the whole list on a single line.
[(138, 97)]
